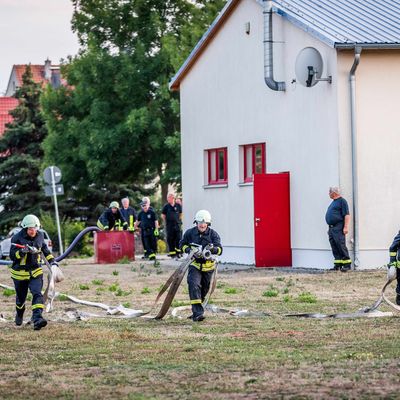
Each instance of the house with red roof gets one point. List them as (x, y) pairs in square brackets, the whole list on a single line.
[(44, 74)]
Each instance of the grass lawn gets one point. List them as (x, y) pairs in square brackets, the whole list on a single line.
[(223, 357)]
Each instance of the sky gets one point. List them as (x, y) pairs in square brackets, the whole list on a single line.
[(32, 31)]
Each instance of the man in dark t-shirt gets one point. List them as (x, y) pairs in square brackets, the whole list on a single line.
[(338, 219), (172, 215)]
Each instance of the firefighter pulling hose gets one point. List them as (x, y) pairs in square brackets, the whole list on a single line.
[(27, 248)]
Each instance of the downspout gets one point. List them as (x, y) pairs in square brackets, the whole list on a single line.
[(268, 50), (352, 79)]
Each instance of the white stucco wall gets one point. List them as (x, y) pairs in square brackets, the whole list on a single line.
[(12, 84), (378, 141), (225, 102)]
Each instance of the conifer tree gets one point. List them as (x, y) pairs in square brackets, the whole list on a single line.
[(21, 156)]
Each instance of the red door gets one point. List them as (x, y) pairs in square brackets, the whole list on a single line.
[(272, 220)]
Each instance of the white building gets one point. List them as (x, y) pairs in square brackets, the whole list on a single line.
[(341, 131)]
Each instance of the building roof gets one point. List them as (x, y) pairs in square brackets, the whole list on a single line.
[(341, 24), (37, 72), (6, 105), (346, 23)]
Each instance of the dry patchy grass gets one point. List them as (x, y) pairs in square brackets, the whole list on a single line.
[(221, 358)]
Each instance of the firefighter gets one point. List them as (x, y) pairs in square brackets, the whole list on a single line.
[(338, 219), (200, 269), (112, 219), (26, 270), (148, 224), (129, 214), (172, 216), (394, 264)]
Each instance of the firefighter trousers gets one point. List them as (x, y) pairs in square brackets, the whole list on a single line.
[(337, 240), (199, 285), (173, 238), (149, 245), (35, 286)]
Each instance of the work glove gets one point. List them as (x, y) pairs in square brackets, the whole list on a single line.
[(394, 263), (198, 256), (24, 250), (214, 250), (32, 249), (156, 232), (56, 271), (125, 227), (391, 272)]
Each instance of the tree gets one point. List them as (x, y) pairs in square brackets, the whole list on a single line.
[(117, 122), (21, 156)]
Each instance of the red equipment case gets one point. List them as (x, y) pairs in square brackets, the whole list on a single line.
[(110, 247)]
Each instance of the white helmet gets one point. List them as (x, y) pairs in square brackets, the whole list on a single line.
[(203, 216), (30, 221)]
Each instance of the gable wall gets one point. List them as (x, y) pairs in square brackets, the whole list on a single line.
[(225, 102)]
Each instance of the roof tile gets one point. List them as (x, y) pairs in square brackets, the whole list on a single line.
[(6, 105)]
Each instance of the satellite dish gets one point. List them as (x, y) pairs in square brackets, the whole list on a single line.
[(309, 66)]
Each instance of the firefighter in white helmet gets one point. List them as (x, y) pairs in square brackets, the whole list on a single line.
[(26, 270), (200, 270)]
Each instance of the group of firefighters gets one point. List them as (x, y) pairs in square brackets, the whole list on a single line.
[(28, 248), (126, 218)]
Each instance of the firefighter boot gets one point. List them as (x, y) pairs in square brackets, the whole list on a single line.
[(19, 316), (38, 321)]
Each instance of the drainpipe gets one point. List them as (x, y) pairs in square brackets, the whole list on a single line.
[(268, 50), (352, 79)]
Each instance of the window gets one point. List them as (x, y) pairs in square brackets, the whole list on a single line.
[(253, 156), (217, 166)]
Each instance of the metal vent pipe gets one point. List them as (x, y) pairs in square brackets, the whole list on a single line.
[(268, 49), (354, 164)]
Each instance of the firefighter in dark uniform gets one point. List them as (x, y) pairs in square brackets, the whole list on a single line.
[(112, 219), (200, 270), (129, 214), (26, 269), (394, 263), (172, 216), (338, 218), (148, 224)]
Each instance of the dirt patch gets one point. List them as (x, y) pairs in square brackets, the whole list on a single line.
[(224, 357)]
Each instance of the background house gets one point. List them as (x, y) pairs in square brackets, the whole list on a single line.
[(44, 74), (343, 130)]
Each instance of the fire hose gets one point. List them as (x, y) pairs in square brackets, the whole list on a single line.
[(172, 285)]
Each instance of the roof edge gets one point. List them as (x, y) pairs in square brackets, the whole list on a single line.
[(367, 46), (202, 43)]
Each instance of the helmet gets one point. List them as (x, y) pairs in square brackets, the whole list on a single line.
[(203, 216), (30, 221), (114, 204)]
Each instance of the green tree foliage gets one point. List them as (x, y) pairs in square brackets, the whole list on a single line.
[(117, 123), (21, 156)]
